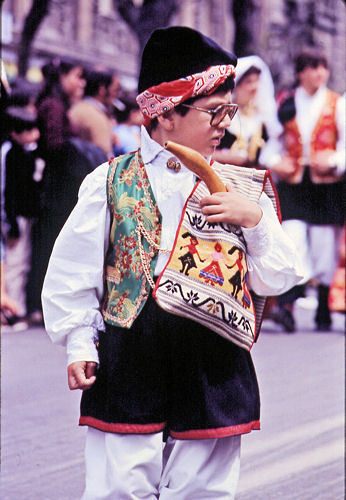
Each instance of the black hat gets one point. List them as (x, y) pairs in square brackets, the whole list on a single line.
[(19, 118), (178, 52)]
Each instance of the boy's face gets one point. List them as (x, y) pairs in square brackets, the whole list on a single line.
[(26, 137), (311, 79), (194, 129)]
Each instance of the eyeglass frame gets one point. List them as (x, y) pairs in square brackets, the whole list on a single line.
[(214, 111)]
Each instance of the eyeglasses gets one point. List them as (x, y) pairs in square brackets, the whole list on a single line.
[(219, 113)]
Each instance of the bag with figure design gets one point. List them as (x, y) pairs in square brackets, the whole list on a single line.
[(205, 278)]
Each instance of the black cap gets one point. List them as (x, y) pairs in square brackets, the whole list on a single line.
[(177, 52), (18, 119)]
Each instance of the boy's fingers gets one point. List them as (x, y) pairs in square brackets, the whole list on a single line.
[(90, 369), (214, 218), (216, 198), (212, 199), (210, 209), (72, 382), (78, 378)]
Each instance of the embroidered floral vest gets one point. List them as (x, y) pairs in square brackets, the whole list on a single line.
[(134, 239), (324, 137)]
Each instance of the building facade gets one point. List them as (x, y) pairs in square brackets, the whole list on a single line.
[(93, 32)]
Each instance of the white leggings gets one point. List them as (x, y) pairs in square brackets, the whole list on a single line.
[(140, 466)]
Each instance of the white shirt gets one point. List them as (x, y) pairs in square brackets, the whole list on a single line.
[(73, 287)]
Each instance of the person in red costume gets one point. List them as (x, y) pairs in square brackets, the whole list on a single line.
[(310, 176)]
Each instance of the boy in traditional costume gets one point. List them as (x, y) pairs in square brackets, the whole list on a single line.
[(148, 369)]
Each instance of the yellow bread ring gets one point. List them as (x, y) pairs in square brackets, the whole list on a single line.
[(195, 162)]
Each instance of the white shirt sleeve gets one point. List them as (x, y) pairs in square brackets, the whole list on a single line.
[(274, 265), (73, 286)]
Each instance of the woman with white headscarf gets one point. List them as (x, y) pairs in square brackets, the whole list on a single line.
[(248, 139)]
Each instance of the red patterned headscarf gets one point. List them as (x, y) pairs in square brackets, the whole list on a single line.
[(161, 98)]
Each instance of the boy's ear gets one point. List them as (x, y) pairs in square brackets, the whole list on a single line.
[(166, 121)]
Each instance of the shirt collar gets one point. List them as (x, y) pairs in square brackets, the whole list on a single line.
[(152, 150), (302, 93)]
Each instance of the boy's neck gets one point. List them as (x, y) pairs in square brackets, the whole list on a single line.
[(159, 135)]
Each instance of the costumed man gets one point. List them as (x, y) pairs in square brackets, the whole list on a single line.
[(251, 138), (311, 179), (145, 371)]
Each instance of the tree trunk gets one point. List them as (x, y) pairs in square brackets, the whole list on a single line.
[(143, 20), (39, 10), (243, 12)]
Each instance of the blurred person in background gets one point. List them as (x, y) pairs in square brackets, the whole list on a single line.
[(310, 181), (8, 305), (63, 85), (91, 116), (126, 134), (248, 141), (21, 201)]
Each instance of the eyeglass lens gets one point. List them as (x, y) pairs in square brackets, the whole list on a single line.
[(220, 115)]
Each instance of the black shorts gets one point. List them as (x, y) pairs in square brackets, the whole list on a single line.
[(170, 373), (319, 204)]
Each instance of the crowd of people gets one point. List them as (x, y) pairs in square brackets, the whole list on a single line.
[(53, 136), (81, 117)]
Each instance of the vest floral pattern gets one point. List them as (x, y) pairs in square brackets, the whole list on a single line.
[(134, 239)]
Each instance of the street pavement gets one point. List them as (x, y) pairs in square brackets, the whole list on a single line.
[(298, 454)]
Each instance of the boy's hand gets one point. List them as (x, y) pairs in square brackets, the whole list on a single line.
[(231, 207), (81, 375)]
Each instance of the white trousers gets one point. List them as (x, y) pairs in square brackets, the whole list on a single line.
[(17, 264), (318, 246), (141, 466)]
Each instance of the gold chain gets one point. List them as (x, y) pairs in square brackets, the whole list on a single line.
[(141, 231)]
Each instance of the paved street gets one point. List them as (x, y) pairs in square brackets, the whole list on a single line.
[(298, 454)]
